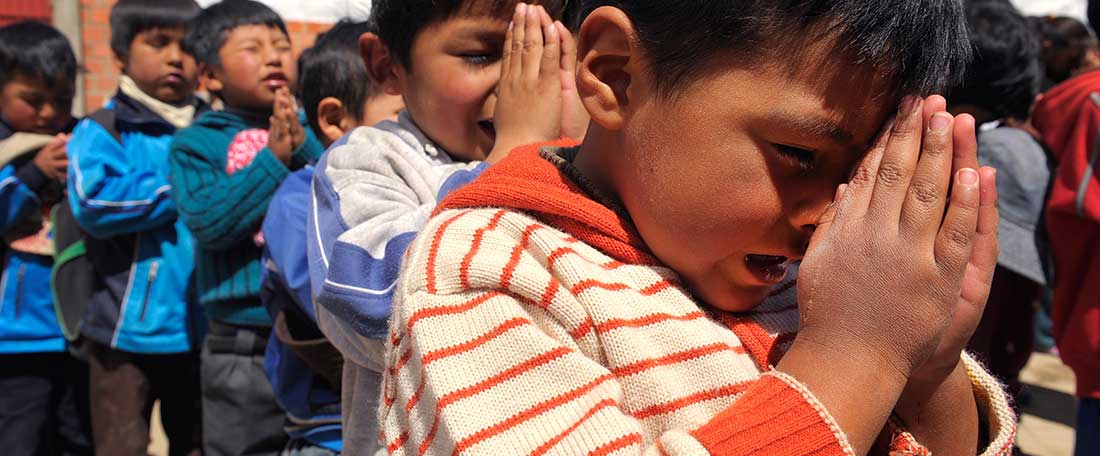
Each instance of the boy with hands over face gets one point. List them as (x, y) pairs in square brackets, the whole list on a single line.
[(601, 298)]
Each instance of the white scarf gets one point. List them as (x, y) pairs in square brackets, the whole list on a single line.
[(178, 116)]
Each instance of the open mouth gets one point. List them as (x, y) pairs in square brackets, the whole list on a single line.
[(274, 80), (488, 128), (768, 268)]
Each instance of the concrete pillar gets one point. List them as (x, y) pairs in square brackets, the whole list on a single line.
[(66, 17)]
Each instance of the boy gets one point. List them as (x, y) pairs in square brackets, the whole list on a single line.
[(43, 390), (607, 297), (1066, 118), (375, 189), (999, 89), (225, 169), (141, 323), (304, 368)]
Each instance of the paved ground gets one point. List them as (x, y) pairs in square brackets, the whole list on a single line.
[(1046, 428)]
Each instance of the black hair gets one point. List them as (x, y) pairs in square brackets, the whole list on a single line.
[(131, 17), (1006, 73), (36, 50), (333, 68), (1065, 41), (206, 34), (921, 45), (401, 21)]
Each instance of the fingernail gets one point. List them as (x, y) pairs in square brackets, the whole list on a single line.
[(968, 177), (940, 122)]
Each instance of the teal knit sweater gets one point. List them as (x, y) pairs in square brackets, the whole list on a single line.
[(224, 212)]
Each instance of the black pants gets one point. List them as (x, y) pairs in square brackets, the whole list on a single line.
[(124, 388), (240, 415), (44, 405)]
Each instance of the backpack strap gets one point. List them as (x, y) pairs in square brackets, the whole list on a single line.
[(106, 118)]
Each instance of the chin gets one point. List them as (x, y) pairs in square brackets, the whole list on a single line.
[(734, 298)]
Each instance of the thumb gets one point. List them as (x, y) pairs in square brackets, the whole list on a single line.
[(826, 219)]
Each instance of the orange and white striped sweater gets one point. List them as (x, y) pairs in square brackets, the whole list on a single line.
[(530, 319)]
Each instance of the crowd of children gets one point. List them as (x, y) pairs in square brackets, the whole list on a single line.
[(596, 227)]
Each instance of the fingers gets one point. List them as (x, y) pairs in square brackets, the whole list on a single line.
[(549, 68), (861, 184), (899, 159), (532, 43), (509, 41), (927, 195), (986, 250), (519, 34), (965, 142), (955, 240), (568, 56)]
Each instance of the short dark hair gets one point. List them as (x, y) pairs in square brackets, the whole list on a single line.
[(1006, 73), (207, 32), (39, 51), (920, 44), (131, 17), (1069, 39), (333, 68), (401, 21)]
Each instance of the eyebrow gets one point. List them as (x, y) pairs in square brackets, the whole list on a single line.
[(480, 34), (815, 126)]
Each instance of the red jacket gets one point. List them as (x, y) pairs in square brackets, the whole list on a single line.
[(1068, 117)]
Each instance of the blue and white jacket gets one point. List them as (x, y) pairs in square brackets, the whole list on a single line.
[(372, 192), (142, 253), (28, 323), (311, 404)]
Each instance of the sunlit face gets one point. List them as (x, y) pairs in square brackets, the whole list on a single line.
[(28, 105), (727, 181), (449, 91), (158, 65), (255, 61)]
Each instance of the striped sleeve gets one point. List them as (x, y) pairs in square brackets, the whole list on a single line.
[(17, 199), (488, 372)]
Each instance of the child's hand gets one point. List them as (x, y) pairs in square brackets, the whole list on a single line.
[(884, 274), (287, 108), (529, 95), (53, 159), (280, 138), (574, 118)]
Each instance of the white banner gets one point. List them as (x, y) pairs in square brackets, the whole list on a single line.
[(1072, 8), (315, 10)]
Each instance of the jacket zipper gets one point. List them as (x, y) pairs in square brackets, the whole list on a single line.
[(19, 289), (149, 287)]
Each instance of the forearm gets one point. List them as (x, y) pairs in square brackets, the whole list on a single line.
[(943, 419), (858, 390)]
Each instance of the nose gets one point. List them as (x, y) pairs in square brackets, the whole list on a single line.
[(272, 56), (812, 206), (47, 112), (175, 55)]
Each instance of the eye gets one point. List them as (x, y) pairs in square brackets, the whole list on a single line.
[(803, 158), (479, 58)]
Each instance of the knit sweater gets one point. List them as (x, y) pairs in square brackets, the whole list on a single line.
[(531, 319), (224, 210)]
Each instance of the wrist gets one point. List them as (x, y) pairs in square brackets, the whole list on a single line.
[(933, 387)]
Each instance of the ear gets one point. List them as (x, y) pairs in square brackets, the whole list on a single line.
[(120, 63), (609, 63), (332, 118), (209, 78), (380, 66)]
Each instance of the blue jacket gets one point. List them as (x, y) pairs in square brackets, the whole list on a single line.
[(142, 253), (312, 406), (224, 210), (28, 323)]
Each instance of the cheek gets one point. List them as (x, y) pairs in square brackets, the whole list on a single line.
[(19, 114), (463, 89), (703, 189)]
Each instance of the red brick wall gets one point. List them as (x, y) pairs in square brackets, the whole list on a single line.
[(101, 77), (20, 10)]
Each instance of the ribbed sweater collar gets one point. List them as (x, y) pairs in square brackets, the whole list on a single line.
[(546, 186)]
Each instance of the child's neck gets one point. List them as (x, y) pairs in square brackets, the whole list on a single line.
[(592, 160), (251, 117)]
